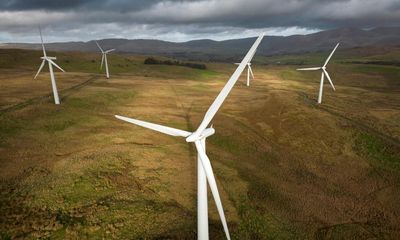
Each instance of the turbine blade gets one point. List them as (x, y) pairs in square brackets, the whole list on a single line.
[(329, 58), (102, 61), (99, 47), (41, 39), (55, 65), (251, 58), (227, 88), (108, 51), (159, 128), (251, 72), (309, 69), (40, 69), (329, 79), (213, 185)]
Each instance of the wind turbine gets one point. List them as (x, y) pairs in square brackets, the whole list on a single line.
[(204, 170), (51, 63), (324, 73), (104, 58), (249, 70)]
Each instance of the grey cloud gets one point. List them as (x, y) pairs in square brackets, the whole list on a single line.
[(269, 13), (197, 18)]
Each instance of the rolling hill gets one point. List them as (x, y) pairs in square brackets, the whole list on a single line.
[(229, 50)]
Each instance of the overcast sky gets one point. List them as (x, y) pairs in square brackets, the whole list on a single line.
[(179, 20)]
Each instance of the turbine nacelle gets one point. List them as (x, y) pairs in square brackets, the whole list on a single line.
[(48, 58), (205, 134), (108, 51)]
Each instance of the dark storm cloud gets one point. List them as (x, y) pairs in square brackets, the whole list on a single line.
[(119, 5), (39, 4), (180, 19)]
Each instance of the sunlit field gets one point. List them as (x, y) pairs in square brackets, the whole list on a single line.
[(286, 167)]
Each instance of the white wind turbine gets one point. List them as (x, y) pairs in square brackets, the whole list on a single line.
[(104, 58), (249, 70), (324, 73), (50, 61), (204, 170)]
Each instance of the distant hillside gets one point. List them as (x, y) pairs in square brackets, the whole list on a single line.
[(230, 50)]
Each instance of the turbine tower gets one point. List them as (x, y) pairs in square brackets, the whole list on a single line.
[(51, 63), (249, 70), (323, 74), (104, 58), (204, 170)]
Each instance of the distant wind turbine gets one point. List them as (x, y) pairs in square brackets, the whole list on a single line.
[(204, 170), (51, 63), (249, 70), (104, 58), (324, 73)]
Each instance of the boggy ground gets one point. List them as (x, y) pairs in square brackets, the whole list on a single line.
[(285, 167)]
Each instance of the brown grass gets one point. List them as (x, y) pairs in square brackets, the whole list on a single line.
[(286, 168)]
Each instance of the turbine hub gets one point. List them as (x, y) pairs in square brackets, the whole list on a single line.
[(205, 134), (323, 68)]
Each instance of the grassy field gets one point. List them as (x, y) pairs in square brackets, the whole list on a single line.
[(286, 167)]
